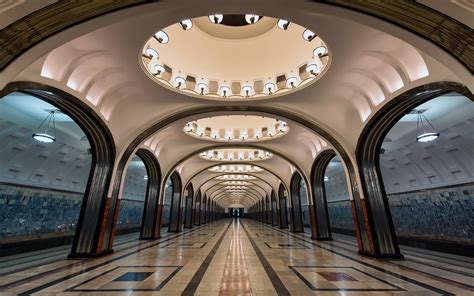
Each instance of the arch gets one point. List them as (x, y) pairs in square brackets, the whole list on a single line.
[(175, 217), (321, 230), (283, 206), (417, 18), (149, 228), (376, 209), (274, 207), (296, 224), (188, 206), (197, 208), (88, 235)]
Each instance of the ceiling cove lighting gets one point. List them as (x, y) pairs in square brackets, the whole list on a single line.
[(161, 61), (236, 155), (235, 169), (46, 131), (424, 136), (236, 128)]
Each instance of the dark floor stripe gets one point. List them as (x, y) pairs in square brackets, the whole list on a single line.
[(197, 277), (410, 280), (64, 257), (57, 281), (460, 272), (276, 281), (412, 269)]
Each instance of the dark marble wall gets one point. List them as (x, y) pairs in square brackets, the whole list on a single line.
[(442, 213)]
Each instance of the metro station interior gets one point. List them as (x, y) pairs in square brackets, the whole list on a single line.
[(237, 147)]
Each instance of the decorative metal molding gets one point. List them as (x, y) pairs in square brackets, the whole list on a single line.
[(88, 233), (381, 228), (451, 35), (34, 28)]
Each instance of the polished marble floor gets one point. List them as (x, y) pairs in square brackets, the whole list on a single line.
[(236, 257)]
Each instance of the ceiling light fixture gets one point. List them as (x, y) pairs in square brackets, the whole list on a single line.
[(186, 24), (291, 81), (247, 89), (162, 37), (313, 69), (151, 53), (44, 136), (308, 35), (326, 178), (320, 51), (216, 18), (252, 18), (158, 69), (202, 87), (270, 86), (283, 24), (145, 177), (425, 136), (180, 81), (225, 90)]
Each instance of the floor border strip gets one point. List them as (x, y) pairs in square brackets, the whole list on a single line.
[(407, 279), (280, 288), (54, 282), (193, 284)]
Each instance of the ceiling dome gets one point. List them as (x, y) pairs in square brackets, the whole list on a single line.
[(237, 128), (235, 57)]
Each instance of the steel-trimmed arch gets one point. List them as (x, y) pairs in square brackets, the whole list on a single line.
[(380, 228), (202, 111), (87, 239)]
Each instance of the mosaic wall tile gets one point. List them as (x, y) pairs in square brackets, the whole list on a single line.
[(444, 213), (32, 211)]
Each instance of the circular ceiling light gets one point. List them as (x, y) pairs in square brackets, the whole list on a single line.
[(236, 177), (236, 155), (236, 169), (427, 137), (227, 76), (236, 183), (44, 138), (236, 128)]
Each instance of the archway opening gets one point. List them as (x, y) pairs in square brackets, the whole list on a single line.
[(298, 193), (283, 206), (188, 206), (43, 179), (172, 204), (426, 163), (133, 197), (337, 196)]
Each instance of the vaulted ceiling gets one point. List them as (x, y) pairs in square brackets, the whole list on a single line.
[(370, 62)]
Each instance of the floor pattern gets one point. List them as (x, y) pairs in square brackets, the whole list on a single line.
[(236, 257)]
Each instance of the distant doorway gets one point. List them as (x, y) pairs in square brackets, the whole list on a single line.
[(236, 212)]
